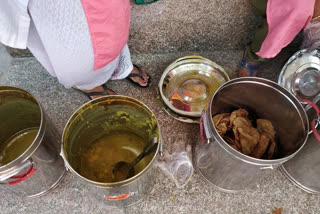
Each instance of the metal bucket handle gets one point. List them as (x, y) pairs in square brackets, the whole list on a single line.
[(160, 149), (19, 177), (315, 122), (23, 177)]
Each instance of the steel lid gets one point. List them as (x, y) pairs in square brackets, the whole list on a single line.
[(303, 169), (301, 75), (187, 85)]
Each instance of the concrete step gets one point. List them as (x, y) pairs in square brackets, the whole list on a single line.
[(193, 25), (170, 26)]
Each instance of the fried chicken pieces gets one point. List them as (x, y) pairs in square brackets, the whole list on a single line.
[(237, 130)]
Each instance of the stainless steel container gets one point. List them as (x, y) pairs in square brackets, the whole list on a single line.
[(39, 168), (301, 76), (187, 85), (105, 116), (303, 169), (230, 170)]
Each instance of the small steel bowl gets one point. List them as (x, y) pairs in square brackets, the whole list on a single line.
[(187, 85)]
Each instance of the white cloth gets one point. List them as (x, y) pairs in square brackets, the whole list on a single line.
[(59, 38), (14, 23)]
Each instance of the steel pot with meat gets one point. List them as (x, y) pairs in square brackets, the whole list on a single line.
[(251, 125)]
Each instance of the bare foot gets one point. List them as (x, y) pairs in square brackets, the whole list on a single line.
[(100, 90), (141, 81)]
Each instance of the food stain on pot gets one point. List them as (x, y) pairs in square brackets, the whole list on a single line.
[(98, 161), (16, 145)]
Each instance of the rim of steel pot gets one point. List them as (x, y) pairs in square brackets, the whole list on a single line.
[(114, 184), (14, 166), (298, 179), (244, 157)]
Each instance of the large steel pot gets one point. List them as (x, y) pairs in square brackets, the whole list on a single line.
[(102, 117), (39, 168), (187, 85), (230, 170)]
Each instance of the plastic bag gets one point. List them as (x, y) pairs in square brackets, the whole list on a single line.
[(311, 37), (178, 165)]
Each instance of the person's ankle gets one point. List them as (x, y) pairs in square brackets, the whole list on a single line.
[(248, 68)]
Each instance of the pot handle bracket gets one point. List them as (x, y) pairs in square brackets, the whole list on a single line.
[(205, 133), (23, 176), (160, 148), (314, 122)]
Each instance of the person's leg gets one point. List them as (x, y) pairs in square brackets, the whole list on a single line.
[(254, 47), (36, 47), (118, 69), (127, 70), (251, 60)]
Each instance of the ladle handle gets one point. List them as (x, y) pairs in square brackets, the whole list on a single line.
[(146, 152)]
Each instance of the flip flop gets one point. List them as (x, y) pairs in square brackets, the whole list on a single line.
[(251, 66), (100, 93), (140, 76), (145, 1)]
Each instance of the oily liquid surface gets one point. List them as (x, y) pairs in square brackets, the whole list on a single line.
[(16, 145), (97, 163)]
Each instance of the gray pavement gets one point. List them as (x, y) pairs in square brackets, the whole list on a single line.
[(273, 191)]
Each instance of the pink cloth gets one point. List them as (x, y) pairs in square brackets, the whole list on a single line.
[(108, 22), (285, 19)]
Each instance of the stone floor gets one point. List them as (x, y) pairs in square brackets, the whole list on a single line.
[(273, 191)]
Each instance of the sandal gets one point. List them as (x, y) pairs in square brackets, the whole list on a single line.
[(145, 1), (251, 66), (105, 92), (140, 76)]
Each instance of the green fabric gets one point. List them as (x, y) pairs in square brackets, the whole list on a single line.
[(254, 47), (260, 34), (260, 5)]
